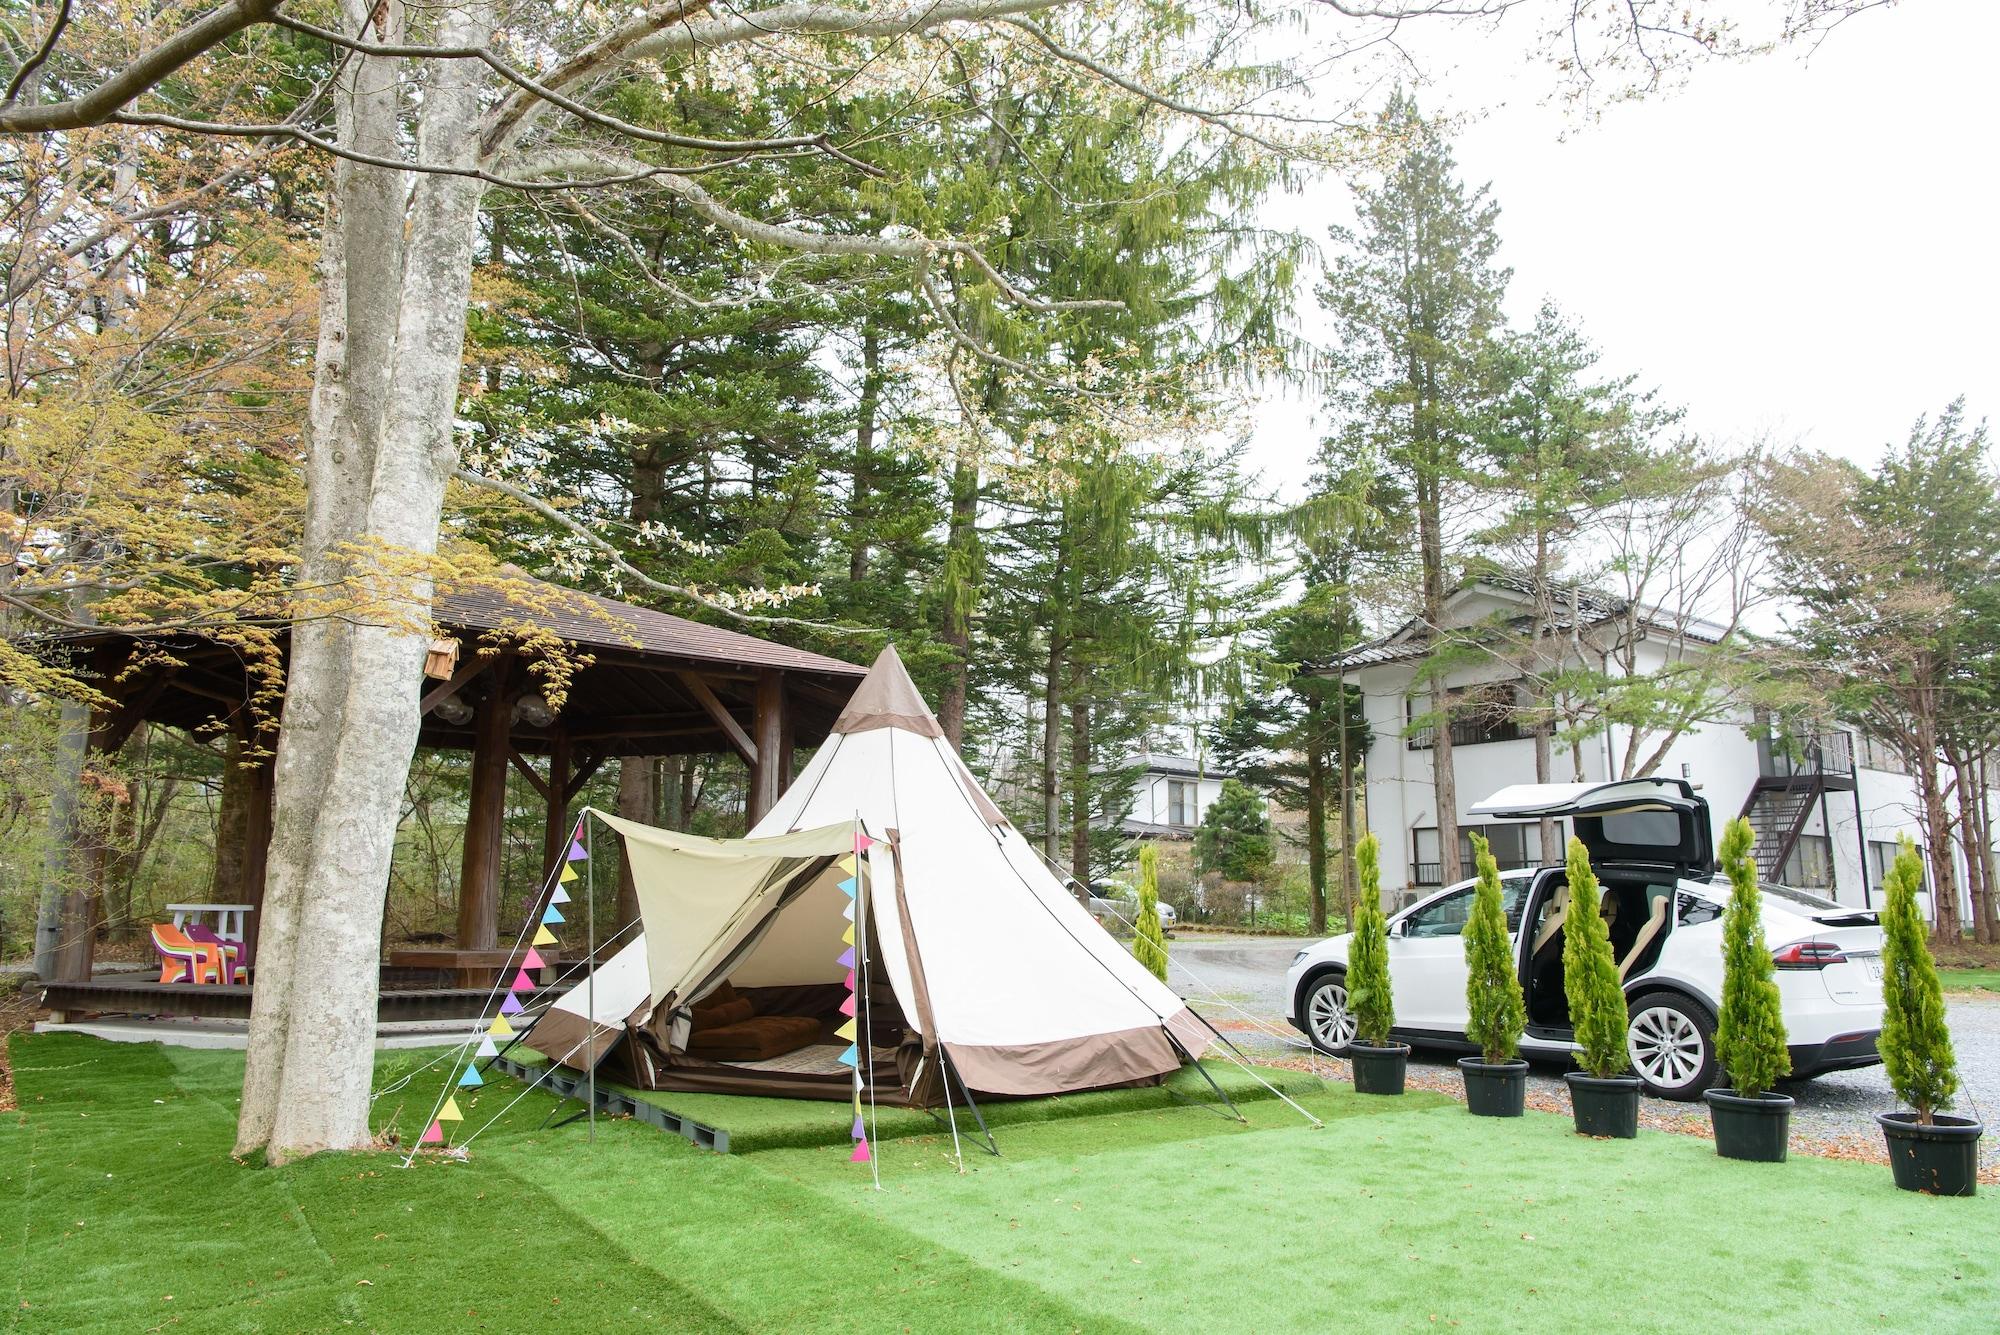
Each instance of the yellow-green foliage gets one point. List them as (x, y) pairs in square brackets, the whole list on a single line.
[(1590, 975), (1915, 1043), (1368, 992), (1149, 944), (1750, 1030), (1492, 984)]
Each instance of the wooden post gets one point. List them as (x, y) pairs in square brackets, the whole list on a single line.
[(768, 725), (479, 876), (555, 834)]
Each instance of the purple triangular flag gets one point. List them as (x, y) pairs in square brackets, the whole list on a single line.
[(858, 1132), (511, 1006), (576, 852), (846, 960)]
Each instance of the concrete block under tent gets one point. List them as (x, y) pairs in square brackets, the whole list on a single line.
[(883, 935)]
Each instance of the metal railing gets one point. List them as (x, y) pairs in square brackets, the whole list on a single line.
[(1471, 732), (1805, 755)]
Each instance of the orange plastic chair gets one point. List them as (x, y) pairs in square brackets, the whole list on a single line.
[(183, 960)]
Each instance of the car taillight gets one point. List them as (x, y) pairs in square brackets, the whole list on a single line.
[(1808, 955)]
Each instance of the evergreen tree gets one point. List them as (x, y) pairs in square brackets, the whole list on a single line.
[(1750, 1028), (1234, 839), (1149, 943), (1369, 994), (1590, 975), (1493, 999), (1417, 298), (1915, 1043)]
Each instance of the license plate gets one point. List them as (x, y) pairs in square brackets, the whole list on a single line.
[(1874, 965)]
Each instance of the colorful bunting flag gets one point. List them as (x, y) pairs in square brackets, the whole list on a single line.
[(471, 1079), (576, 850), (487, 1047), (433, 1135), (847, 1006), (543, 937), (847, 887), (862, 843), (561, 896), (858, 1133), (860, 1154), (848, 912), (522, 983), (500, 1028), (450, 1112), (850, 1057), (846, 960), (512, 1005), (568, 875), (845, 1031), (847, 864), (533, 961), (552, 915), (849, 984)]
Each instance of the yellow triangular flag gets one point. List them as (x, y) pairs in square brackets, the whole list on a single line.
[(500, 1028), (847, 937), (857, 1102), (846, 864), (568, 874), (450, 1112), (544, 937), (845, 1031)]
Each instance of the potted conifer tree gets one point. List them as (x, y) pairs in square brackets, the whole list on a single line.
[(1929, 1151), (1603, 1099), (1751, 1120), (1496, 1081), (1380, 1062)]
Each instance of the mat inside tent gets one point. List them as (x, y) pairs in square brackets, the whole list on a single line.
[(744, 1124)]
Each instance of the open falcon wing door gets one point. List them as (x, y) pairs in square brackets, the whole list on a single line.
[(1660, 822)]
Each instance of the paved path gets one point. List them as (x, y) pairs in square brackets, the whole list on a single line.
[(1244, 980)]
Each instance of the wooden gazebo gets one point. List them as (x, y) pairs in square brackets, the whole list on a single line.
[(653, 685)]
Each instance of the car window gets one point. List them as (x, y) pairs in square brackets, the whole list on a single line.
[(1443, 917)]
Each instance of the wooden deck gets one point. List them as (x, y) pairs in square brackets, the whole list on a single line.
[(112, 996)]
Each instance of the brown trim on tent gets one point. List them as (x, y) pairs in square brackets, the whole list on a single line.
[(693, 1075), (1093, 1061), (568, 1039), (1189, 1028), (926, 1023)]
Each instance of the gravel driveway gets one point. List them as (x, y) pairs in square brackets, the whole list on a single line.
[(1239, 983)]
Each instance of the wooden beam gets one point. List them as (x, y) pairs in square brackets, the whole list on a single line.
[(585, 772), (556, 796), (731, 729), (769, 753), (444, 690), (535, 781)]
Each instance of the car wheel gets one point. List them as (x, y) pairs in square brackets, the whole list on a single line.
[(1671, 1041), (1329, 1024)]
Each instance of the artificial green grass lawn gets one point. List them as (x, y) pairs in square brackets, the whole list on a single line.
[(1968, 980), (1397, 1211)]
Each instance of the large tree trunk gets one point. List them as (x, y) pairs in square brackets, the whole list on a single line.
[(1079, 791), (1316, 814), (1936, 821), (1977, 888), (637, 800), (62, 869), (865, 413), (1444, 779), (961, 583), (396, 269), (1051, 747), (1552, 852)]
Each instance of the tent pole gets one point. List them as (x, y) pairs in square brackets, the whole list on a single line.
[(590, 953), (951, 1071), (1189, 1058)]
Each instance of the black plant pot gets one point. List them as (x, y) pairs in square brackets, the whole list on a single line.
[(1378, 1070), (1756, 1130), (1941, 1159), (1494, 1089), (1608, 1107)]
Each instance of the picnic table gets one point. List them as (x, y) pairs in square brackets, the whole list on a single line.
[(476, 968), (230, 919)]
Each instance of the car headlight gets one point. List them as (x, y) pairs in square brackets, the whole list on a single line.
[(1301, 955)]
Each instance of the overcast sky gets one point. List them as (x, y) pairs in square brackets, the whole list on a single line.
[(1796, 247)]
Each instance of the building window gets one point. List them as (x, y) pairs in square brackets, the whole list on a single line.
[(1478, 714), (1181, 803), (1515, 844), (1882, 856), (1874, 753), (1810, 866)]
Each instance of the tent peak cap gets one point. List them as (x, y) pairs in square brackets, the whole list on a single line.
[(887, 698)]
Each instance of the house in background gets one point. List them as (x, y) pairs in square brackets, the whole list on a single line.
[(1828, 809), (1170, 794)]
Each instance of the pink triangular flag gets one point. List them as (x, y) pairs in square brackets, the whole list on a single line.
[(850, 980), (511, 1006), (862, 843), (846, 960), (860, 1154), (532, 960), (434, 1136), (522, 983), (847, 1006), (858, 1133)]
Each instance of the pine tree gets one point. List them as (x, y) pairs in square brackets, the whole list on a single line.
[(1915, 1043), (1493, 998), (1750, 1029), (1149, 944), (1369, 996), (1235, 834), (1590, 975)]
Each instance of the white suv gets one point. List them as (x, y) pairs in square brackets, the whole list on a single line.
[(1650, 845)]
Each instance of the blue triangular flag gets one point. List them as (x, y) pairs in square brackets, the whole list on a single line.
[(576, 853), (471, 1077), (561, 896), (552, 916), (847, 887), (850, 1057)]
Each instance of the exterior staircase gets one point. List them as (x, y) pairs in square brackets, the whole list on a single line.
[(1794, 775)]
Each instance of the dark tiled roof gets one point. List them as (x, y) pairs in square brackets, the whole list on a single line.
[(605, 623)]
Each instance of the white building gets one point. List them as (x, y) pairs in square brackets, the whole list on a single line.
[(1170, 795), (1838, 808)]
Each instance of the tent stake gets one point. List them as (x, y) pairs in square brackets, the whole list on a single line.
[(951, 1072), (1188, 1057)]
